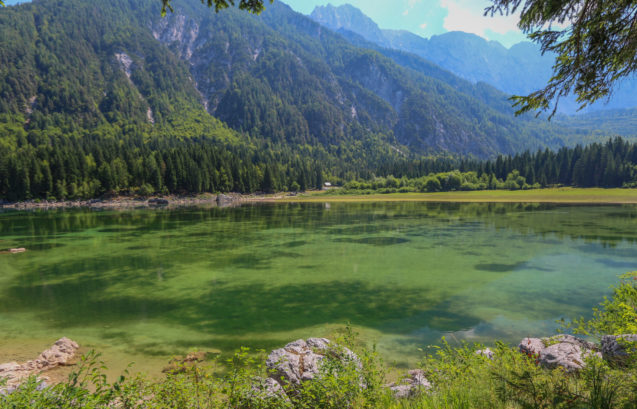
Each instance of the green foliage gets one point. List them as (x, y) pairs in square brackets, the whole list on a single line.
[(615, 316), (253, 6)]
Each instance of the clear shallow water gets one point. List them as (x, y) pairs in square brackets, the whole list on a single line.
[(147, 284)]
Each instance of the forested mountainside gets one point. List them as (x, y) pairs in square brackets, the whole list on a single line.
[(278, 77), (518, 70), (288, 79), (100, 97)]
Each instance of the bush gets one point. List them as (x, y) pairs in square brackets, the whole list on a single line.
[(146, 190), (615, 316)]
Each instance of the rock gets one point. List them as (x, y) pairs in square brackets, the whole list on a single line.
[(221, 198), (614, 347), (181, 364), (268, 389), (568, 356), (299, 361), (487, 352), (158, 202), (61, 353), (18, 250), (570, 339), (531, 346), (414, 384), (565, 351)]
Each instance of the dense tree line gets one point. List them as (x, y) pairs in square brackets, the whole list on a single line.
[(87, 167), (610, 164)]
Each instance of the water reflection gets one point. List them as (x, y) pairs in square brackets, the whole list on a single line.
[(406, 272)]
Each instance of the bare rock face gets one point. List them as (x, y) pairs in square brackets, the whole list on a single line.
[(300, 361), (414, 384), (61, 353), (615, 348), (564, 351)]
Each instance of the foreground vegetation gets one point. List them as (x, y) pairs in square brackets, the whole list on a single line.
[(460, 378)]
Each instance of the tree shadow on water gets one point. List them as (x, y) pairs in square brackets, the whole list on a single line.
[(236, 310), (231, 309)]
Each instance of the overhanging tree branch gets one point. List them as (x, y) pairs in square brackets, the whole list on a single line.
[(596, 48), (253, 6)]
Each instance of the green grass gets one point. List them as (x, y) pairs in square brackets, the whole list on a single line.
[(551, 195)]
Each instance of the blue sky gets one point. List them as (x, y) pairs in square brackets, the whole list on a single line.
[(424, 17), (430, 17)]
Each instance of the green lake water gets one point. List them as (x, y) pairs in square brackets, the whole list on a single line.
[(144, 285)]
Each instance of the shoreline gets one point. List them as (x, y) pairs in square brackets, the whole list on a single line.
[(138, 202), (574, 196)]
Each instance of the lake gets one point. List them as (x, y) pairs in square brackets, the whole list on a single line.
[(143, 285)]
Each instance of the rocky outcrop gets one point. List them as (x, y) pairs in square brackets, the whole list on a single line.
[(615, 348), (300, 361), (564, 351), (61, 353), (412, 385)]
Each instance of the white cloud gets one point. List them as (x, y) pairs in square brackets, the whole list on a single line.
[(468, 16), (410, 5)]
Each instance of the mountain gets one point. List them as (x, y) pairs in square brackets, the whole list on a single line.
[(518, 70), (325, 89), (279, 78)]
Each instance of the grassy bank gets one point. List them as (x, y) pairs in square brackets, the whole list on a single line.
[(552, 195)]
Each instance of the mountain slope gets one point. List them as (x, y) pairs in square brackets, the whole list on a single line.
[(279, 79), (328, 88)]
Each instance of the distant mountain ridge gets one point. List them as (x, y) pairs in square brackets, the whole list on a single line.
[(518, 70)]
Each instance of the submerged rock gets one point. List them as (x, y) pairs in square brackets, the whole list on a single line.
[(615, 348), (61, 353), (564, 351), (180, 364), (412, 385)]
